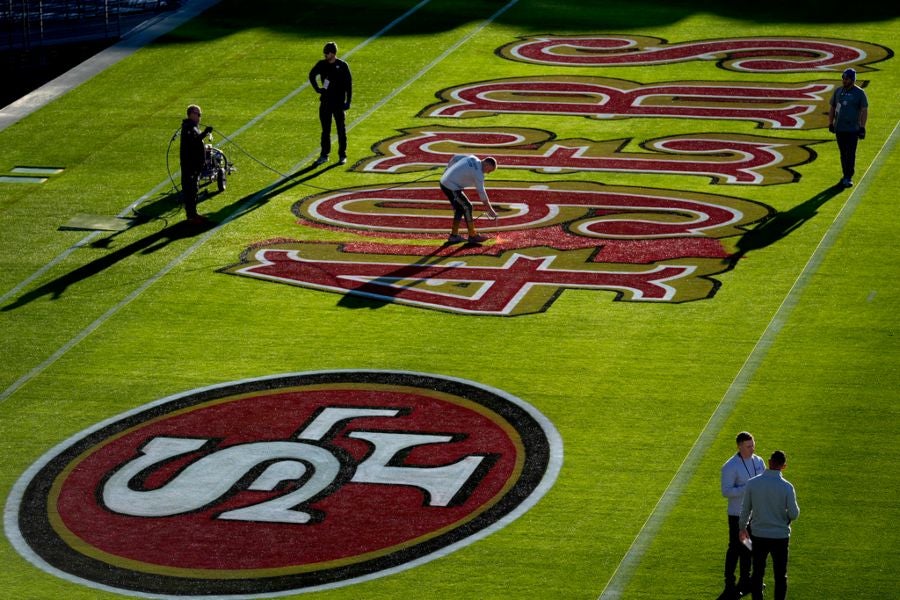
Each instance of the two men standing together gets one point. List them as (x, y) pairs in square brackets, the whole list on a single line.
[(764, 499)]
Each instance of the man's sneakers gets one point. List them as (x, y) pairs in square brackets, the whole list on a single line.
[(846, 182), (455, 238), (342, 160)]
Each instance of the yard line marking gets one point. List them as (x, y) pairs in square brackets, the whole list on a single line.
[(37, 370), (79, 244), (616, 585), (166, 182), (305, 85)]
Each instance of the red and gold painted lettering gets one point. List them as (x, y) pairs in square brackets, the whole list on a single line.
[(582, 210), (642, 244), (733, 159), (780, 106), (515, 283), (749, 55)]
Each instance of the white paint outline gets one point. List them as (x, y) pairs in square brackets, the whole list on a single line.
[(554, 465), (621, 577)]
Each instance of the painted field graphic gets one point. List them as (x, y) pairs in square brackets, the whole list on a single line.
[(319, 394)]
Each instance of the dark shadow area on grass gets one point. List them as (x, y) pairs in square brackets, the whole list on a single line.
[(56, 287), (251, 202), (357, 18), (381, 291), (780, 225), (165, 236)]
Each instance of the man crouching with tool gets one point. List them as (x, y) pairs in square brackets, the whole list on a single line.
[(192, 156)]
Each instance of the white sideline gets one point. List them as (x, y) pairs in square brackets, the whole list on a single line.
[(249, 202), (616, 585)]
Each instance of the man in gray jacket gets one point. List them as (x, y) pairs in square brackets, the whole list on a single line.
[(771, 502)]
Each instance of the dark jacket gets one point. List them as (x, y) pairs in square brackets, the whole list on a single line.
[(337, 82), (193, 153)]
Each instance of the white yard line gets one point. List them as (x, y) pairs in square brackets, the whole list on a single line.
[(620, 579), (240, 209)]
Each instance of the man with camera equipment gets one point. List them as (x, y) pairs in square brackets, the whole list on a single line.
[(192, 157)]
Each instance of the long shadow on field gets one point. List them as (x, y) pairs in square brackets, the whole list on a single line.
[(781, 224), (154, 242), (56, 287), (251, 202), (313, 26), (380, 291)]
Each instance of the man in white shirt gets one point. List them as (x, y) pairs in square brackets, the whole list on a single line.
[(466, 170)]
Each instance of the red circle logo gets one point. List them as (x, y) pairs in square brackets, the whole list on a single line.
[(287, 483)]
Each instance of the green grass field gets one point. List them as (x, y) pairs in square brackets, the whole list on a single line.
[(796, 343)]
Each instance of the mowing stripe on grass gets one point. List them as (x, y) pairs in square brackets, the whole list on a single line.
[(37, 370), (305, 85), (616, 585)]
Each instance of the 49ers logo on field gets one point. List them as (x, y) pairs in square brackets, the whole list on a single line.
[(288, 483), (640, 243)]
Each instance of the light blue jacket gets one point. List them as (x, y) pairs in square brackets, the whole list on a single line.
[(736, 472), (770, 504)]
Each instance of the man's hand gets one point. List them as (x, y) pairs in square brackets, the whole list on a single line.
[(831, 127), (207, 131), (492, 213), (346, 106), (862, 133)]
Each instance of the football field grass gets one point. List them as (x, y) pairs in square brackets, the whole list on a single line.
[(779, 318)]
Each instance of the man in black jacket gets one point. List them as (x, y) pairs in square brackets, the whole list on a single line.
[(335, 93), (192, 156)]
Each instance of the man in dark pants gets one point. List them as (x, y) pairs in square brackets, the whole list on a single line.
[(743, 466), (847, 121), (192, 156), (335, 93), (771, 502)]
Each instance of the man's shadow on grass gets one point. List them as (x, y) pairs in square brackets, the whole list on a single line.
[(781, 224), (158, 240), (382, 290)]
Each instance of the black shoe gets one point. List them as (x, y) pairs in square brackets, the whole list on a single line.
[(342, 160), (730, 593), (746, 591), (321, 160)]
